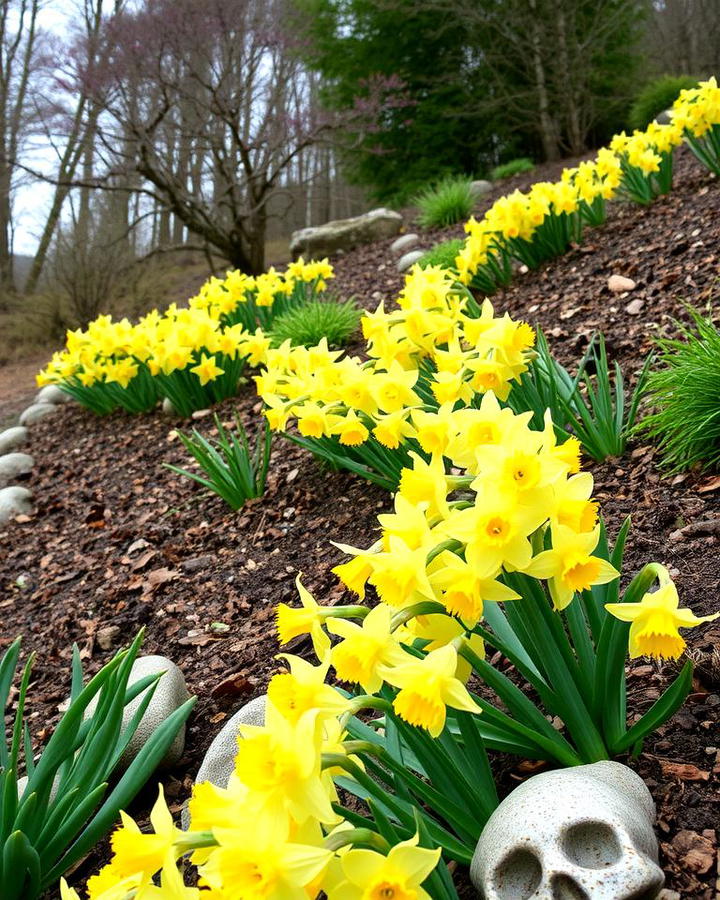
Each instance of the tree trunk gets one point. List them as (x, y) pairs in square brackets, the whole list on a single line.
[(548, 132)]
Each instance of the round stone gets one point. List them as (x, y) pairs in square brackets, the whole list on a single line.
[(14, 501), (12, 438), (36, 412), (13, 466)]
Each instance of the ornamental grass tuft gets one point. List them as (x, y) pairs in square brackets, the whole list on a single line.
[(442, 255), (685, 394), (306, 326), (446, 203)]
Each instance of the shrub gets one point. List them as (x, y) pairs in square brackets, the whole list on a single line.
[(448, 202), (512, 167), (442, 255), (306, 326), (52, 824), (230, 468), (685, 394), (656, 97)]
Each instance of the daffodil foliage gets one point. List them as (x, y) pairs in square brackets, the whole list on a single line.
[(194, 356)]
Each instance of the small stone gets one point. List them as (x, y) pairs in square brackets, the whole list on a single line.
[(36, 412), (196, 563), (170, 694), (403, 244), (14, 501), (618, 284), (51, 393), (107, 637), (408, 260), (635, 307), (481, 187), (202, 413), (14, 466), (219, 762), (664, 117), (167, 408), (12, 438)]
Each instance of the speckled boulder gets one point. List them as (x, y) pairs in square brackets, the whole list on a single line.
[(14, 501), (36, 412), (219, 761), (12, 438), (51, 393), (585, 832), (14, 466), (342, 235), (170, 693)]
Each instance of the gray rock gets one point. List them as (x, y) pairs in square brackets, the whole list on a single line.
[(51, 393), (13, 466), (581, 832), (403, 244), (167, 408), (14, 501), (12, 438), (481, 187), (664, 118), (170, 693), (36, 412), (344, 234), (219, 762), (408, 260)]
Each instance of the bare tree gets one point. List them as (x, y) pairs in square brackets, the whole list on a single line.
[(208, 103), (72, 127), (18, 65), (683, 36)]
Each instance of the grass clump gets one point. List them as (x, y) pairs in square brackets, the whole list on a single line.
[(512, 167), (685, 394), (657, 96), (307, 325), (443, 254), (446, 203)]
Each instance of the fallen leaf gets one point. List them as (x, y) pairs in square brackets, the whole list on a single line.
[(693, 851), (712, 484), (234, 686), (683, 771)]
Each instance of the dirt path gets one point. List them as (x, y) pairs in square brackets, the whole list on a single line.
[(17, 387)]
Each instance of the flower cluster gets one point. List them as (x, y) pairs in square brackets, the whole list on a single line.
[(438, 349), (193, 356), (696, 113), (536, 225)]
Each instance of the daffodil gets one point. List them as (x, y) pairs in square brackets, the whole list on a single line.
[(304, 688), (135, 852), (280, 763), (364, 648), (570, 565), (172, 885), (655, 622), (398, 876), (307, 619), (256, 860), (207, 370), (427, 687)]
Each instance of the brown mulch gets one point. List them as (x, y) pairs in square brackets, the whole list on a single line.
[(118, 540)]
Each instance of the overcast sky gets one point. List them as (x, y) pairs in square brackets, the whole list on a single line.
[(31, 201)]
